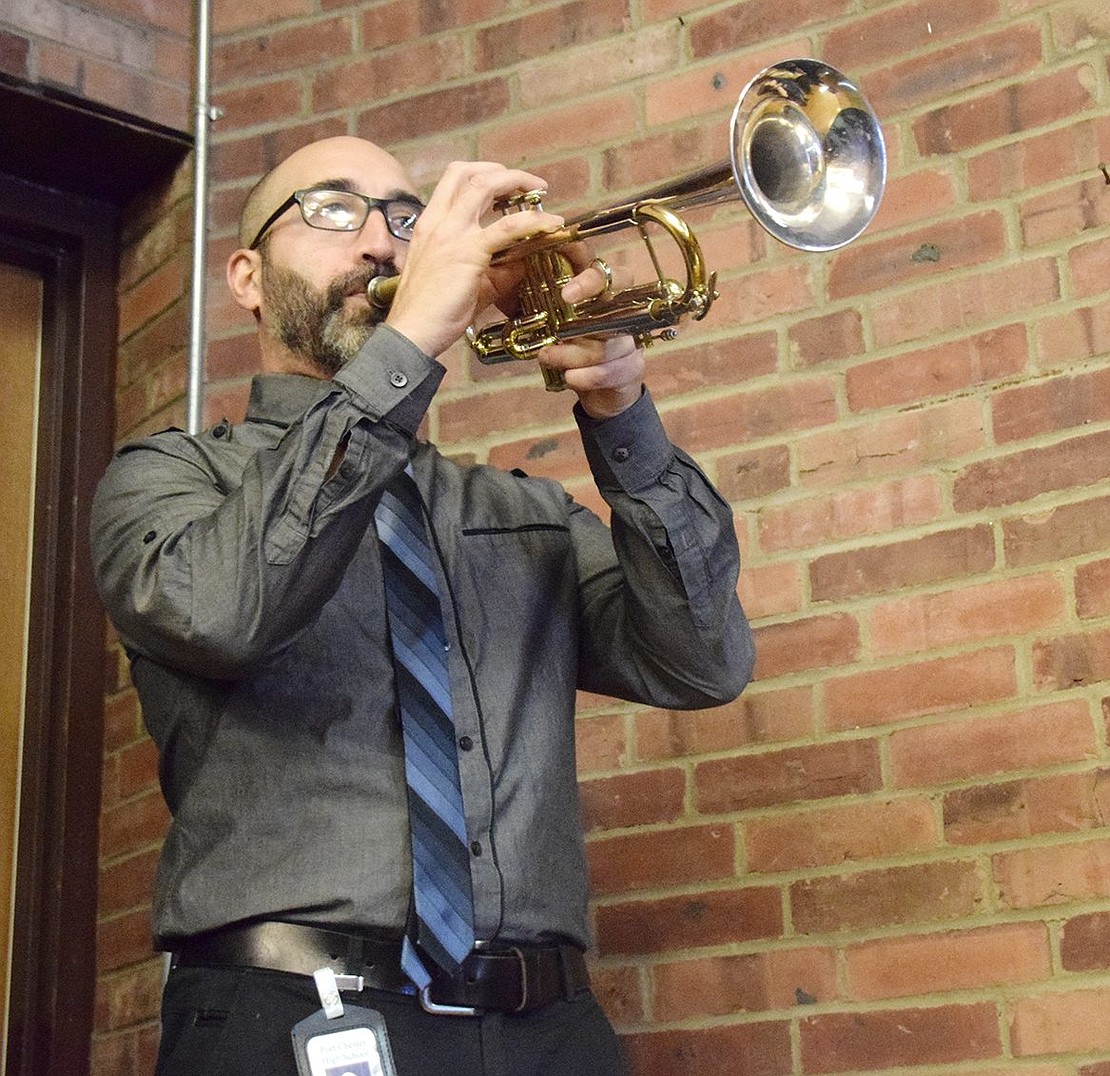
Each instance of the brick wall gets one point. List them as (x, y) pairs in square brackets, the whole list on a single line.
[(891, 853)]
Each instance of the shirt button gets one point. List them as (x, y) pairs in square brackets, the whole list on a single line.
[(466, 743), (476, 847), (398, 379), (621, 454)]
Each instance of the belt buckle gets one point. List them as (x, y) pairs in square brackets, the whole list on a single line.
[(519, 953), (436, 1009)]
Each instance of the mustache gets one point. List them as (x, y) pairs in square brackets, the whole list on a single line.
[(356, 282)]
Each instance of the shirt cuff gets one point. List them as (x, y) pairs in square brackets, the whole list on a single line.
[(628, 451), (392, 379)]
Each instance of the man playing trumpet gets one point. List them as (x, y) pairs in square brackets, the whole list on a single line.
[(315, 602)]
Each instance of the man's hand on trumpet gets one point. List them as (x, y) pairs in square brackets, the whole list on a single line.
[(606, 374), (446, 272)]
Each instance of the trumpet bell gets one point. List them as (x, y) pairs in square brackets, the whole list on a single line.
[(808, 155)]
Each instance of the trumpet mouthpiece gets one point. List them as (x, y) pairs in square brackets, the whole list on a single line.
[(380, 291)]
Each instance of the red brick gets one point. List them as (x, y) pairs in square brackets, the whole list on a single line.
[(724, 985), (14, 52), (981, 60), (1003, 607), (1064, 212), (827, 338), (128, 883), (1071, 336), (305, 45), (133, 825), (567, 128), (1003, 955), (600, 742), (130, 996), (971, 302), (861, 1041), (852, 513), (1076, 1021), (633, 799), (755, 717), (828, 836), (836, 768), (1056, 534), (123, 940), (995, 355), (661, 858), (899, 444), (760, 1049), (890, 35), (740, 24), (714, 917), (772, 590), (1092, 589), (726, 420), (1059, 404), (401, 70), (694, 91), (557, 455), (1021, 476), (1061, 803), (538, 33), (1054, 875), (811, 643), (620, 993), (1076, 25), (1022, 106), (915, 197), (884, 696), (939, 248), (396, 21), (150, 297), (894, 896), (421, 115), (1025, 739), (721, 363), (928, 558), (1085, 942), (1018, 167), (754, 473), (1087, 265), (1070, 661)]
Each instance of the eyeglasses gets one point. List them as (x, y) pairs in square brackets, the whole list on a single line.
[(346, 211)]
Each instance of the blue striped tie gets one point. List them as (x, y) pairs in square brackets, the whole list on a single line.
[(440, 860)]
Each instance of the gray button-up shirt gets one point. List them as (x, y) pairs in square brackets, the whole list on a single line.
[(244, 580)]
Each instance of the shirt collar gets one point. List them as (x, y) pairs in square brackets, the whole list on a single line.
[(283, 398)]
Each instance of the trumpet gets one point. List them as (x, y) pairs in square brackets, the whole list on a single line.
[(807, 159)]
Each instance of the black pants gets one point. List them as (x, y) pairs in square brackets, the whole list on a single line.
[(237, 1022)]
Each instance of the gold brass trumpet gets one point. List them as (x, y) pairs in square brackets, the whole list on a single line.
[(808, 160)]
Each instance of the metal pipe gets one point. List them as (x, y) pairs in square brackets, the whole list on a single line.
[(194, 398)]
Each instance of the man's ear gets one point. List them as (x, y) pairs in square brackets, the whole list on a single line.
[(244, 278)]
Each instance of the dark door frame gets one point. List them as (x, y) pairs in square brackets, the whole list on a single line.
[(54, 940), (67, 169)]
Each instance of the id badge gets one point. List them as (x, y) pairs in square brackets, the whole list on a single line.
[(354, 1044)]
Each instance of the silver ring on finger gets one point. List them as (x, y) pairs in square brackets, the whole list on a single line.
[(606, 271)]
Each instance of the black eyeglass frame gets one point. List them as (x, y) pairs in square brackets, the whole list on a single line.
[(297, 199)]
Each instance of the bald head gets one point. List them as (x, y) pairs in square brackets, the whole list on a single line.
[(343, 161)]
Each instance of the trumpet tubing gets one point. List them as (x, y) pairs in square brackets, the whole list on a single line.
[(807, 159)]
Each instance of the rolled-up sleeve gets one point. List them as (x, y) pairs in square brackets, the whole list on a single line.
[(664, 623), (212, 557)]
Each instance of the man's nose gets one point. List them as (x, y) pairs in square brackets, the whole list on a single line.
[(374, 240)]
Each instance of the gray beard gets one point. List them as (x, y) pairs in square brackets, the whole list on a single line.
[(316, 325)]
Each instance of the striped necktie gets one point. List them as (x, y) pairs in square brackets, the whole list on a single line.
[(440, 861)]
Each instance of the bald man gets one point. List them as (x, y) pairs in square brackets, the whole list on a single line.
[(243, 571)]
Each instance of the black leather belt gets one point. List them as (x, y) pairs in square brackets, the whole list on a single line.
[(507, 979)]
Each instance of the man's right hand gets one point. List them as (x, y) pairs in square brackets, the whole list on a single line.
[(446, 276)]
